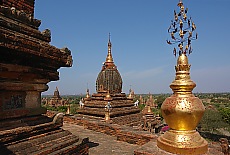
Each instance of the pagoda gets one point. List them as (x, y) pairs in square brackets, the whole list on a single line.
[(56, 100), (109, 92)]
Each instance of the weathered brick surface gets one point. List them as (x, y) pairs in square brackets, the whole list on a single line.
[(23, 121), (25, 132), (30, 31), (13, 113), (80, 148), (123, 133), (34, 137), (52, 113), (36, 47), (135, 137), (25, 5), (128, 120)]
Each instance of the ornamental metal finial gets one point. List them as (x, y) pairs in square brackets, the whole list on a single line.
[(182, 31), (109, 57)]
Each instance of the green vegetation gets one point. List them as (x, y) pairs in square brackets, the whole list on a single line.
[(212, 121), (157, 112), (74, 108), (160, 99), (225, 113), (59, 109), (141, 106)]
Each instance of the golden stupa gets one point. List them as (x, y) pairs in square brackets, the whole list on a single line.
[(182, 111)]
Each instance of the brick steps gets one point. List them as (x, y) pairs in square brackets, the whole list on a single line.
[(24, 121), (128, 120), (76, 148), (88, 117), (16, 134), (28, 143), (47, 133), (41, 139), (43, 145), (55, 145), (100, 112)]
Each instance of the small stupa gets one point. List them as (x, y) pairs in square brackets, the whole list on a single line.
[(182, 111)]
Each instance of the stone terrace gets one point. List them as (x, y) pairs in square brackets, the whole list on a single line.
[(121, 132), (103, 144)]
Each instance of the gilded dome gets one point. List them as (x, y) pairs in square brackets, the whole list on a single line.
[(109, 79)]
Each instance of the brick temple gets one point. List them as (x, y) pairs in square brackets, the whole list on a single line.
[(27, 63), (109, 93), (55, 100)]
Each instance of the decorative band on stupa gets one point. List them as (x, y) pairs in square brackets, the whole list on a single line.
[(182, 111)]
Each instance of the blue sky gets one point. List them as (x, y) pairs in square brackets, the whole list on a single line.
[(138, 34)]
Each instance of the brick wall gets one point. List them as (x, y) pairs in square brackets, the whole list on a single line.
[(135, 137), (25, 5), (122, 133)]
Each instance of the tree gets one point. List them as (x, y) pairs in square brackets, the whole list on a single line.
[(212, 120), (159, 100), (141, 106), (225, 113)]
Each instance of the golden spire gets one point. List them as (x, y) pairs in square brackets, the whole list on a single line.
[(130, 94), (182, 111), (109, 58), (182, 82), (87, 93), (149, 109)]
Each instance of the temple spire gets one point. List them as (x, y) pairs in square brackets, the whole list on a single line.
[(56, 93), (109, 57)]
